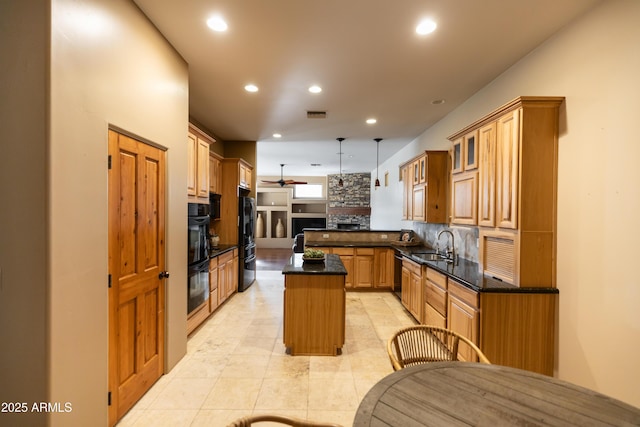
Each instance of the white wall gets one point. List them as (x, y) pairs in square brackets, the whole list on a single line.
[(595, 64), (109, 66)]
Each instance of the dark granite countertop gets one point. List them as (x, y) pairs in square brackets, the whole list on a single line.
[(334, 244), (468, 273), (331, 266), (220, 249), (464, 271)]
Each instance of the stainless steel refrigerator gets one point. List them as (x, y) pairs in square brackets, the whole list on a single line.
[(246, 243)]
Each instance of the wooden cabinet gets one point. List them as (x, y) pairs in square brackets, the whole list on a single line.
[(383, 264), (516, 190), (198, 165), (406, 172), (227, 227), (367, 267), (464, 316), (507, 165), (213, 284), (487, 175), (314, 314), (246, 175), (227, 275), (464, 206), (347, 258), (464, 156), (512, 329), (215, 173), (435, 298), (412, 288), (425, 187), (363, 268), (464, 177)]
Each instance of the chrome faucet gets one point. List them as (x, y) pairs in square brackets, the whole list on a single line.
[(449, 253)]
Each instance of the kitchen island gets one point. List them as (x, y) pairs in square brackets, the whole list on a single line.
[(314, 306)]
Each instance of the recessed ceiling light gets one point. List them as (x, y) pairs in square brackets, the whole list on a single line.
[(251, 88), (277, 135), (371, 121), (426, 26), (216, 23), (437, 101), (315, 89)]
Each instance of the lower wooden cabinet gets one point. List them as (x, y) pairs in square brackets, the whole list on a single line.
[(367, 267), (514, 329), (412, 288), (435, 299), (463, 316), (227, 275), (383, 265), (346, 256), (213, 284)]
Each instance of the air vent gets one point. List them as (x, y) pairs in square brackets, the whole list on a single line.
[(316, 114)]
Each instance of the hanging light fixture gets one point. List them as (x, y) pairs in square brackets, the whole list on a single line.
[(377, 140), (340, 181)]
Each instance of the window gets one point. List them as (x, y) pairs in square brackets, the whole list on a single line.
[(308, 191)]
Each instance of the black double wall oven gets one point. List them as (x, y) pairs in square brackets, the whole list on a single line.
[(198, 293)]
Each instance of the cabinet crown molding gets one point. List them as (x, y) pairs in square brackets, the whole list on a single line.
[(521, 101)]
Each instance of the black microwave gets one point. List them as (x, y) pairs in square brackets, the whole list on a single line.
[(214, 205)]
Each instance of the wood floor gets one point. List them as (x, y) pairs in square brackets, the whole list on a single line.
[(272, 259)]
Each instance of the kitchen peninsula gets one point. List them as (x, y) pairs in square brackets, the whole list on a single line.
[(314, 306)]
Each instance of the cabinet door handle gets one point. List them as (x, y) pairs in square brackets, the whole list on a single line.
[(163, 275)]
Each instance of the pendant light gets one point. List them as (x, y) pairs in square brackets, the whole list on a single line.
[(377, 140), (340, 181)]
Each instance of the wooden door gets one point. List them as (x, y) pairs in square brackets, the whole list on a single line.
[(136, 269)]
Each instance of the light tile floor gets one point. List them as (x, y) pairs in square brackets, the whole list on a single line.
[(236, 364)]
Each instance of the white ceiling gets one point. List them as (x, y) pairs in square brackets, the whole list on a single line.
[(366, 56)]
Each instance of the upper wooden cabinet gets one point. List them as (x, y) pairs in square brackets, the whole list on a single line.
[(215, 173), (198, 144), (464, 156), (425, 187), (517, 148), (246, 175), (234, 175), (486, 175)]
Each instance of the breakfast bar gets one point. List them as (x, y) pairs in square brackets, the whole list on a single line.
[(314, 305)]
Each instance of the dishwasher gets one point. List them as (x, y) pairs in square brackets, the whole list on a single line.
[(397, 273)]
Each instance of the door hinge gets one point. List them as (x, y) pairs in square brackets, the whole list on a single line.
[(109, 162), (109, 399), (109, 280)]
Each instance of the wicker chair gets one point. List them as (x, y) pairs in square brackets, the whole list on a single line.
[(419, 344), (290, 421)]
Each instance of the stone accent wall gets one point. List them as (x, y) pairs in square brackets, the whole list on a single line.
[(355, 193), (466, 238)]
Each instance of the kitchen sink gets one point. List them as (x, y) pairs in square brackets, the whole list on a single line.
[(432, 256)]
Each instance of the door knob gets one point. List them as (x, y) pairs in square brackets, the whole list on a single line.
[(163, 275)]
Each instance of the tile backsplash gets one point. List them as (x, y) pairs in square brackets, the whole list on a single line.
[(466, 238)]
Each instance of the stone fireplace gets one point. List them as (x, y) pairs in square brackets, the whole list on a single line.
[(348, 207)]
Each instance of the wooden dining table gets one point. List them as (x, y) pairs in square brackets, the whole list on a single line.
[(464, 394)]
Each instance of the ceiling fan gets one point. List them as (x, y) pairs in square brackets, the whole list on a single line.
[(282, 182)]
